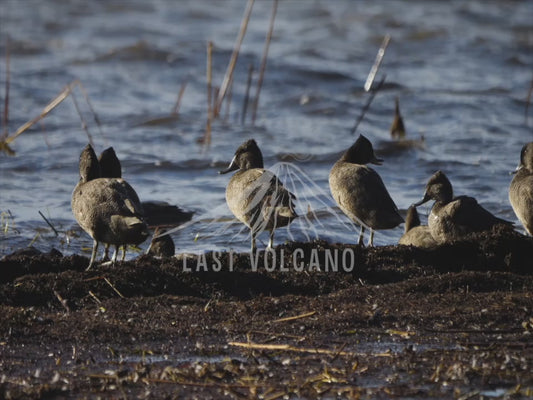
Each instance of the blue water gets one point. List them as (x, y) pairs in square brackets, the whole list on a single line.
[(462, 71)]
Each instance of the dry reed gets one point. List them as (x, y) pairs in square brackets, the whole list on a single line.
[(209, 71), (176, 108), (264, 60), (67, 90), (5, 119), (247, 94), (233, 61), (377, 63)]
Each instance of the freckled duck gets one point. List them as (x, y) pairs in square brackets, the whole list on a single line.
[(521, 189), (161, 246), (359, 191), (255, 195), (105, 207), (453, 217), (415, 234)]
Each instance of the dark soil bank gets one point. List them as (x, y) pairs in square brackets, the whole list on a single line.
[(453, 322)]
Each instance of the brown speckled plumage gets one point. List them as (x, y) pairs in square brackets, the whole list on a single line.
[(453, 217), (360, 192), (415, 234), (521, 189), (105, 207), (256, 196)]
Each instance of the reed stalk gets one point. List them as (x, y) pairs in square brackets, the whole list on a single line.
[(207, 136), (247, 94), (377, 63), (229, 97), (264, 60), (67, 90), (528, 100), (5, 119), (176, 108), (233, 61)]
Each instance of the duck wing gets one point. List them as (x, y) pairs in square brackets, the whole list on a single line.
[(467, 212), (373, 201)]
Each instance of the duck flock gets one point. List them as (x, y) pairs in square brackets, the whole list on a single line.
[(109, 209)]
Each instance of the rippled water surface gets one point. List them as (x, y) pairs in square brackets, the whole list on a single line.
[(462, 71)]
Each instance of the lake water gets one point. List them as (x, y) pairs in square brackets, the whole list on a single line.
[(462, 71)]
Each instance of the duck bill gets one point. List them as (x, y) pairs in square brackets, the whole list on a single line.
[(232, 167), (424, 200), (377, 161)]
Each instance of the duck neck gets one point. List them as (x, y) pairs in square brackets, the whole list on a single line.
[(251, 161), (90, 171), (352, 155), (412, 221), (523, 172)]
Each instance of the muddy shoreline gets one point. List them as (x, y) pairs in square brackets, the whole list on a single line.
[(455, 321)]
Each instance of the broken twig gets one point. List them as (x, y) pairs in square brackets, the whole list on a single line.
[(62, 301), (113, 287), (286, 347), (295, 317)]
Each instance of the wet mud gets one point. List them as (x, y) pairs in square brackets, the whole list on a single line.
[(395, 321)]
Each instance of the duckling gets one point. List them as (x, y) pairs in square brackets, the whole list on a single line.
[(162, 245), (359, 191), (451, 217), (521, 189), (415, 234), (105, 207), (256, 196)]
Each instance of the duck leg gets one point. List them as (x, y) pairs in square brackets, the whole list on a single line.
[(106, 252), (115, 254), (361, 234), (93, 255), (253, 242), (271, 240), (371, 240), (124, 252)]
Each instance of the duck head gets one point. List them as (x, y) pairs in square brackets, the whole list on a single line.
[(526, 158), (89, 166), (361, 152), (438, 188), (109, 164), (246, 157)]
